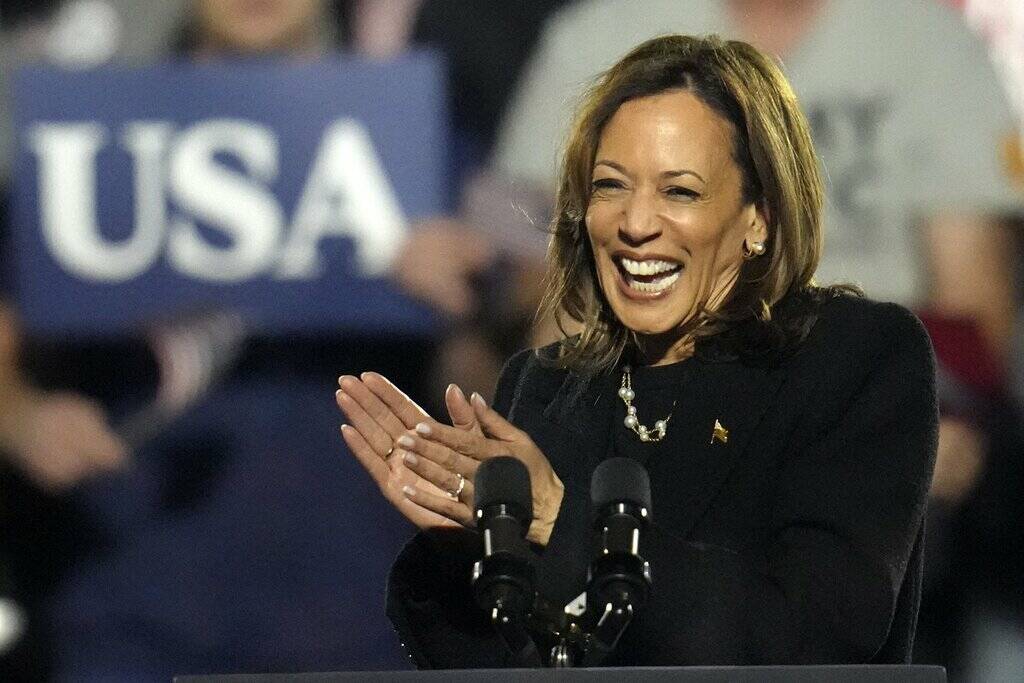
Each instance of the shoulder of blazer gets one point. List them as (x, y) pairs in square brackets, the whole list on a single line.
[(852, 335), (854, 331), (857, 348)]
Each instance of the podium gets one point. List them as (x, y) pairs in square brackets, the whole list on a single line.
[(646, 674)]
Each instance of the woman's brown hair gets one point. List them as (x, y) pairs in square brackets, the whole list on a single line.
[(773, 150)]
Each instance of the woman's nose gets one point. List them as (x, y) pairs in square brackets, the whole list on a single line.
[(639, 221)]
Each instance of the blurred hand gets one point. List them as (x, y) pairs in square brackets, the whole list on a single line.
[(439, 452), (437, 261), (960, 459), (58, 439), (379, 414)]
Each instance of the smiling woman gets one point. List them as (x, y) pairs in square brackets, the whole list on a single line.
[(699, 144), (796, 424), (667, 219)]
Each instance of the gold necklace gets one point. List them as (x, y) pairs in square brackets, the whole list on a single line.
[(632, 422)]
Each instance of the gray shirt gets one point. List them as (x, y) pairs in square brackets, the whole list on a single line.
[(907, 114)]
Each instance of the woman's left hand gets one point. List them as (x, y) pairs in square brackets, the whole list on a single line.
[(378, 414), (438, 449)]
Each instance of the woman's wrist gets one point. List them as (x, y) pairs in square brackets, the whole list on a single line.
[(546, 513)]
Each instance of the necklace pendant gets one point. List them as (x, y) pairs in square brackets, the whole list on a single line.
[(632, 421)]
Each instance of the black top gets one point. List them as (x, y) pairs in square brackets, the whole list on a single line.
[(796, 541), (664, 391)]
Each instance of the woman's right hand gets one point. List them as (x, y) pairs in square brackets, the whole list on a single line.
[(378, 415)]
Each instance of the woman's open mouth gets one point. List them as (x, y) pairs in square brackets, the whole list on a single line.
[(648, 277)]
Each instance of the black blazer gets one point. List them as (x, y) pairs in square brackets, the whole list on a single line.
[(797, 541)]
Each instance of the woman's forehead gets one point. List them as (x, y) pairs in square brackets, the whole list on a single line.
[(665, 131)]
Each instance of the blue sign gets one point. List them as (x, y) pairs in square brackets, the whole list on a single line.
[(280, 190)]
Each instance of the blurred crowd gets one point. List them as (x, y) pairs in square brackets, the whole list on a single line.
[(239, 536)]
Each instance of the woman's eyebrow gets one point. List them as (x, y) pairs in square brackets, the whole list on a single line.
[(611, 164), (667, 174), (682, 171)]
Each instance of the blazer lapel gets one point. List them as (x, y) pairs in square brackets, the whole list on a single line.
[(578, 428), (727, 403), (732, 396)]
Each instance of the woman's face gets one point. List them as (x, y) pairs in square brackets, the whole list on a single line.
[(666, 218)]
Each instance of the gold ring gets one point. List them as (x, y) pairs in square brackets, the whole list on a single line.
[(455, 493)]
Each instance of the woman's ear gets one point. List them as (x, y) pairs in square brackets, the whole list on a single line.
[(764, 219), (757, 231)]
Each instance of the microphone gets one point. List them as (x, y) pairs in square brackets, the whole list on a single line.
[(620, 578), (503, 580)]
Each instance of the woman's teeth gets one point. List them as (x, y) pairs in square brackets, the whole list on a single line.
[(650, 277), (655, 286), (647, 267)]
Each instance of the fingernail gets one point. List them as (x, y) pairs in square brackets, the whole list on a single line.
[(345, 428), (410, 459), (406, 441), (409, 491), (455, 388), (362, 376), (423, 428), (345, 379), (478, 399)]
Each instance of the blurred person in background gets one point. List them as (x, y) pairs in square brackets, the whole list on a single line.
[(872, 76), (235, 564), (440, 257), (49, 439), (486, 46), (55, 438), (982, 584), (910, 122)]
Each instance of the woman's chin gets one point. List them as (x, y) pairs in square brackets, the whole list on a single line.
[(649, 317), (647, 325)]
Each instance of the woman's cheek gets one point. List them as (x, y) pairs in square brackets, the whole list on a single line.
[(600, 215)]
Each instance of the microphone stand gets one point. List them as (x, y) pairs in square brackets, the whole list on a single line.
[(619, 581), (503, 579), (617, 615), (502, 585)]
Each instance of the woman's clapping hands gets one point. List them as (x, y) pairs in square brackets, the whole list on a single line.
[(426, 468)]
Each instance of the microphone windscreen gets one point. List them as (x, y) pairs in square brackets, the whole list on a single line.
[(620, 480), (503, 480)]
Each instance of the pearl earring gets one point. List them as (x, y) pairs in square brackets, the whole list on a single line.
[(753, 251)]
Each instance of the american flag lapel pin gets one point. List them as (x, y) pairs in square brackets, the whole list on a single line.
[(719, 433)]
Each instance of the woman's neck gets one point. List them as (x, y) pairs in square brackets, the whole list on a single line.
[(665, 349)]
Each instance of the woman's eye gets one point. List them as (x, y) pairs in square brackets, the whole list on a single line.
[(683, 192), (606, 184)]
